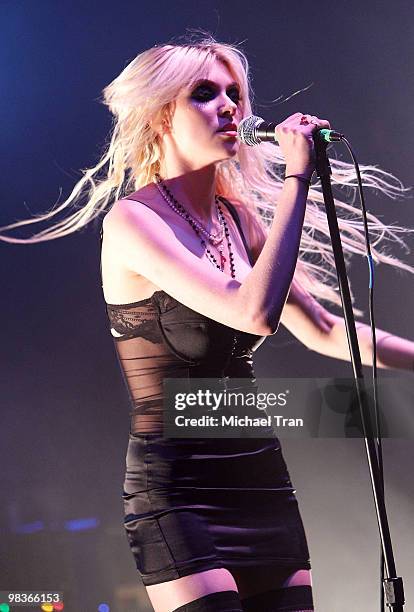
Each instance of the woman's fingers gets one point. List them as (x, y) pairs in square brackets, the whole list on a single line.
[(294, 136), (320, 123)]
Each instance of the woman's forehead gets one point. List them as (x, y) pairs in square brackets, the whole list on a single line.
[(217, 71)]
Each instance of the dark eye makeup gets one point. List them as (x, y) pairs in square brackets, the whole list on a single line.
[(206, 91)]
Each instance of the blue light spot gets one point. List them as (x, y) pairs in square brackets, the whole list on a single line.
[(103, 607), (30, 527), (81, 524)]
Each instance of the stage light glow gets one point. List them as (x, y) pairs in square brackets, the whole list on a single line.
[(30, 527), (82, 524)]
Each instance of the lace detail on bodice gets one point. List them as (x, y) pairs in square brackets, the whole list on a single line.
[(128, 321)]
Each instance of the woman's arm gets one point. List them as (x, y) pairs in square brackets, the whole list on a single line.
[(321, 331), (325, 333)]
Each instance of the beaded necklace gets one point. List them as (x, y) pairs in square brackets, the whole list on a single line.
[(199, 229)]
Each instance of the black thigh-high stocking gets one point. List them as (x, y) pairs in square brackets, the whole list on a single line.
[(286, 599), (222, 601)]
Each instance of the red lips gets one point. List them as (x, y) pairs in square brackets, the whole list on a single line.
[(229, 127)]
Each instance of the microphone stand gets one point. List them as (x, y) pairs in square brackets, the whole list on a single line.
[(393, 585)]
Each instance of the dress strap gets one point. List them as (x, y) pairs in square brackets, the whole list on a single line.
[(100, 256), (236, 218)]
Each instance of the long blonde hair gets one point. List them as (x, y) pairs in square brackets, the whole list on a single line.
[(143, 94)]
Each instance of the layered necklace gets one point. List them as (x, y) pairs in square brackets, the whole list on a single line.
[(214, 239)]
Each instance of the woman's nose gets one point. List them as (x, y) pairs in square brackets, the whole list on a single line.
[(228, 106)]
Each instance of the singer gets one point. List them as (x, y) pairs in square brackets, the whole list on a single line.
[(204, 254)]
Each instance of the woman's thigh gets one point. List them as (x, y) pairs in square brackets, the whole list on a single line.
[(168, 596), (253, 580)]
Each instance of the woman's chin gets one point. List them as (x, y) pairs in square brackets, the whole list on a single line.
[(229, 152)]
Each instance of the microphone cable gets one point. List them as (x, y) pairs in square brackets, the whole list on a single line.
[(378, 438)]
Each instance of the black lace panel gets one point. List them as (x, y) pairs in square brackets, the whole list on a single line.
[(161, 338), (128, 322), (145, 360)]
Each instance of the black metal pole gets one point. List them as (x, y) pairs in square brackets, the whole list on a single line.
[(393, 586)]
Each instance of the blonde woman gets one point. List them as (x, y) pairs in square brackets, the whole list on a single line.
[(204, 254)]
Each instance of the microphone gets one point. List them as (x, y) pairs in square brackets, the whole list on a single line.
[(253, 130)]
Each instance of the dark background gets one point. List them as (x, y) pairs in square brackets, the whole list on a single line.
[(64, 410)]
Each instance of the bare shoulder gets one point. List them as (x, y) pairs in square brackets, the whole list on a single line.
[(121, 280), (145, 201), (141, 213)]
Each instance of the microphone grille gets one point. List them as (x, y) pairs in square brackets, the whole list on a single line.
[(246, 130)]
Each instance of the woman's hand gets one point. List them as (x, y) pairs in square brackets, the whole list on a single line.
[(296, 141), (323, 332)]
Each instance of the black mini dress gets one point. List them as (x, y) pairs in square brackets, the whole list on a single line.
[(200, 503)]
